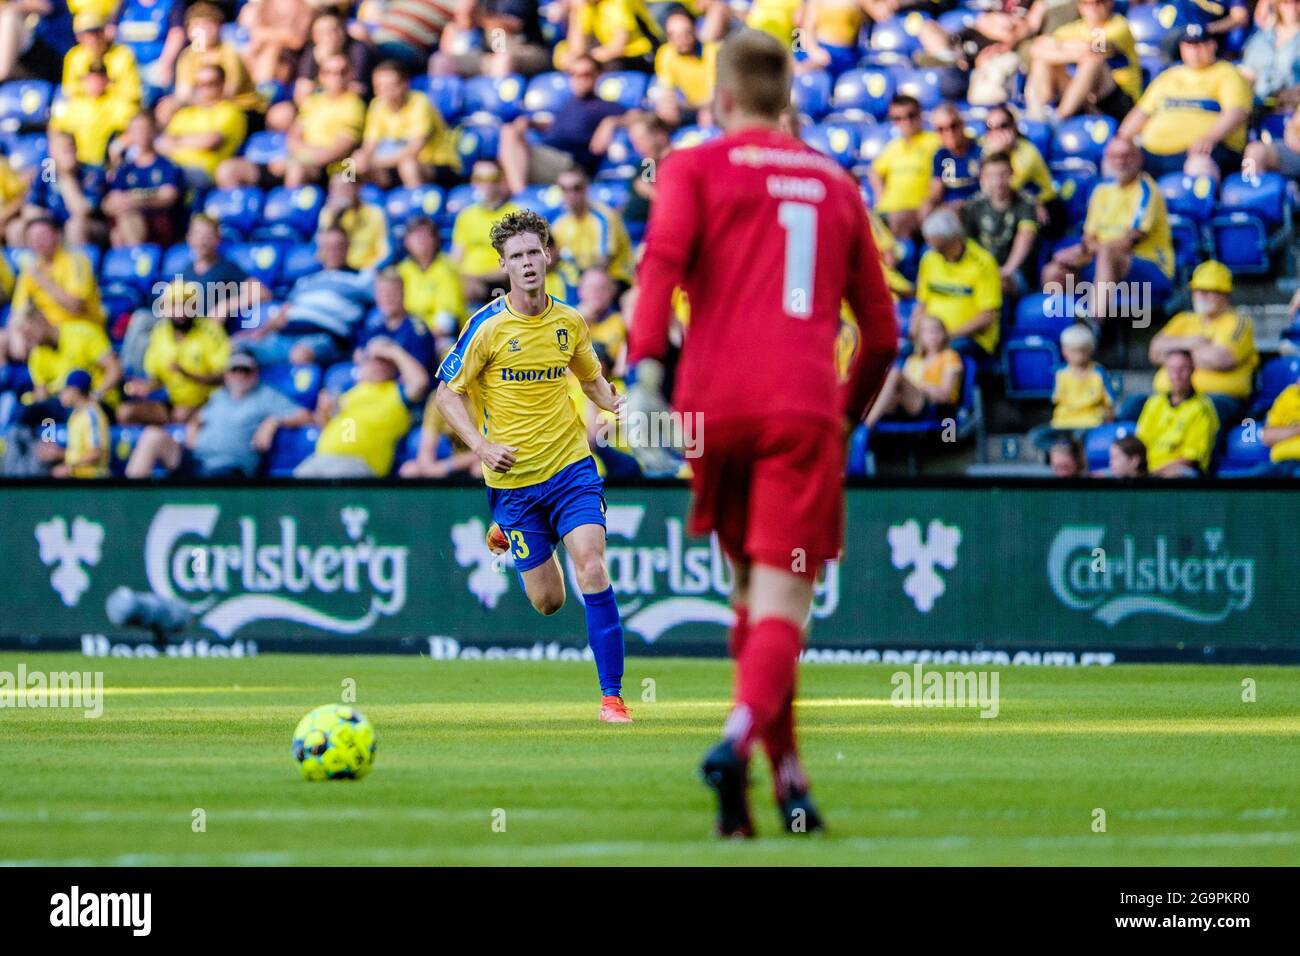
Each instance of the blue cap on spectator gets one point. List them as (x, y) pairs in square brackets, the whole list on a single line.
[(1195, 33), (79, 379)]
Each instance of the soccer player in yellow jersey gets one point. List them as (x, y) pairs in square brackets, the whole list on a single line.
[(1222, 342), (515, 357), (900, 175), (1192, 118), (1106, 73), (1126, 235)]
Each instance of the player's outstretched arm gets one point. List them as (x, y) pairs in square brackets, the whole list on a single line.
[(602, 393), (455, 411)]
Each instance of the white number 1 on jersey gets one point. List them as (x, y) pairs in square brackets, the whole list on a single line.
[(800, 222)]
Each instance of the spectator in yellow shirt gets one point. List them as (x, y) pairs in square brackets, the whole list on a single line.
[(186, 358), (13, 193), (365, 224), (929, 381), (200, 136), (900, 175), (471, 245), (58, 282), (1221, 342), (591, 234), (1099, 46), (361, 430), (92, 117), (431, 285), (87, 452), (1126, 236), (1282, 432), (203, 22), (958, 283), (1179, 427), (684, 68), (405, 136), (1192, 118), (1080, 396), (617, 34), (93, 46), (54, 351)]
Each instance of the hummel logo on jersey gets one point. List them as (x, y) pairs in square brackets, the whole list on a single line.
[(514, 345)]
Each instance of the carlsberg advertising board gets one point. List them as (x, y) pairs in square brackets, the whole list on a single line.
[(406, 567)]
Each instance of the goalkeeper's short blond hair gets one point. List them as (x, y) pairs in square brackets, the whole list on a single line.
[(756, 70)]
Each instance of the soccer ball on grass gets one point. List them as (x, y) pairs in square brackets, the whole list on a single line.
[(334, 742)]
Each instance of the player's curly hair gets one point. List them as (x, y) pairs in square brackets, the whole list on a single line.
[(516, 224)]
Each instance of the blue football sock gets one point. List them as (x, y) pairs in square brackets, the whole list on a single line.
[(605, 635)]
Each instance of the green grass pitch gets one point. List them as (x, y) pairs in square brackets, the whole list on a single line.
[(1186, 772)]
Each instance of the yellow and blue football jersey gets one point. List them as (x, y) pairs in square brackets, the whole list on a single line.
[(515, 369)]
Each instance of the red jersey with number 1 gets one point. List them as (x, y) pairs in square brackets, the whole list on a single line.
[(767, 237)]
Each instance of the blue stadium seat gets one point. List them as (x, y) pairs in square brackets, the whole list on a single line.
[(624, 87), (621, 160), (838, 140), (1030, 363), (1192, 197), (175, 260), (863, 92), (261, 148), (290, 448), (1189, 243), (954, 21), (546, 201), (1043, 315), (339, 377), (546, 93), (811, 94), (478, 139), (611, 192), (1150, 23), (133, 268), (923, 83), (873, 139), (500, 97), (903, 309), (404, 201), (1276, 375), (1083, 137), (447, 93), (407, 448), (26, 152), (291, 213), (25, 105), (238, 210), (1263, 195), (1241, 242), (299, 260), (1244, 454), (261, 260), (301, 383), (1075, 179), (1039, 133), (458, 197), (859, 452), (897, 38), (1097, 442), (1130, 407)]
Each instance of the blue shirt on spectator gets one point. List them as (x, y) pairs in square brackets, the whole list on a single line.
[(45, 192), (411, 335), (575, 123), (143, 25), (225, 438), (960, 175)]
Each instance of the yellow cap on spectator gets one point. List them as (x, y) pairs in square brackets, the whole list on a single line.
[(87, 21), (1212, 276)]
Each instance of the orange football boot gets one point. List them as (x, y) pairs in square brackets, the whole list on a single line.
[(497, 541), (614, 711)]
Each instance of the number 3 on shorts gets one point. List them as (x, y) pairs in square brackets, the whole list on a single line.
[(521, 547)]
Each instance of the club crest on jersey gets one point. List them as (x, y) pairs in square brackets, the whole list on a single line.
[(562, 339), (514, 345)]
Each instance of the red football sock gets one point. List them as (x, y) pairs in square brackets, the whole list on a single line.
[(783, 752), (765, 676), (739, 631)]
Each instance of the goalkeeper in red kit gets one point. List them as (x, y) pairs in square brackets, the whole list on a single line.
[(767, 238)]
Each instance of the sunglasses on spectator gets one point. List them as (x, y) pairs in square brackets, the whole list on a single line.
[(994, 127), (947, 127), (904, 117)]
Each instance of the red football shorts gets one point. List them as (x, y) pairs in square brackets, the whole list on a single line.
[(773, 490)]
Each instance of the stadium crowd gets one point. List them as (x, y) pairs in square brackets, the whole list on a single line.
[(239, 236)]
